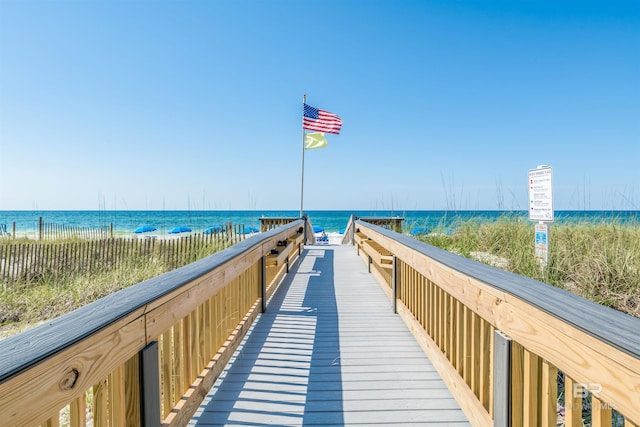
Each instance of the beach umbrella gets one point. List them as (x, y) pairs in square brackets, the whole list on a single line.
[(144, 229), (181, 229), (419, 231), (214, 229), (342, 231), (317, 229), (249, 230)]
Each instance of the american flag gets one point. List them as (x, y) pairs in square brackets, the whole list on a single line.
[(320, 120)]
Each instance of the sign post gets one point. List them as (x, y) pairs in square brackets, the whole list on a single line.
[(542, 244), (541, 209)]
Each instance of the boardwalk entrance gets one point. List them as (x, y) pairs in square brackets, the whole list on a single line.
[(329, 351)]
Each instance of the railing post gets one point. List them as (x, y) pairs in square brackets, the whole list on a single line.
[(263, 282), (502, 380), (149, 385), (352, 230), (394, 285), (304, 230)]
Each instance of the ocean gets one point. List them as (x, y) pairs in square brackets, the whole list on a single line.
[(124, 222)]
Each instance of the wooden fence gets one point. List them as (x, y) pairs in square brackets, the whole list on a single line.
[(55, 231), (145, 355), (26, 261), (513, 351), (267, 224)]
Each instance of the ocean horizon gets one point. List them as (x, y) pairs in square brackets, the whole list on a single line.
[(126, 221)]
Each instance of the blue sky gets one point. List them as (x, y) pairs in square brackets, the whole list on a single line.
[(198, 104)]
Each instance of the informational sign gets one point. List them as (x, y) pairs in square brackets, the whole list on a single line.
[(542, 244), (541, 194)]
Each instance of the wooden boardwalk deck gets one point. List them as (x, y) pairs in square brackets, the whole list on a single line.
[(329, 351)]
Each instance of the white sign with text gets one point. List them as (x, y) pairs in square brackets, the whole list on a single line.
[(541, 194)]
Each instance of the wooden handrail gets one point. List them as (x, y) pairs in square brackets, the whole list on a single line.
[(454, 306), (196, 313)]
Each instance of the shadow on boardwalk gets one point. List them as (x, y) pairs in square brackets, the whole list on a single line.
[(328, 351)]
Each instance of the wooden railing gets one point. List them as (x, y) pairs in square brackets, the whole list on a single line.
[(275, 222), (512, 350), (268, 223), (148, 354)]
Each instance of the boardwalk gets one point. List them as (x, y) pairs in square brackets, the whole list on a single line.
[(329, 351)]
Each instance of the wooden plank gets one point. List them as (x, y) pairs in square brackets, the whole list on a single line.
[(572, 403), (459, 360), (549, 403), (329, 349), (467, 333), (78, 412), (517, 385), (600, 413), (53, 421), (187, 361), (117, 403), (100, 399), (485, 372), (531, 388), (178, 361), (449, 326), (475, 353), (132, 391), (167, 377)]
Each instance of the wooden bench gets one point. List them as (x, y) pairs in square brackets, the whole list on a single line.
[(281, 257), (379, 255), (360, 237)]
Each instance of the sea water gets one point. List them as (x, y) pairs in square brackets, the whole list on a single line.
[(125, 221)]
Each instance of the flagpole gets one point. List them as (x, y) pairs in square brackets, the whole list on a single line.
[(304, 101)]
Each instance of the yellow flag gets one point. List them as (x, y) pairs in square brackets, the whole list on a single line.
[(314, 140)]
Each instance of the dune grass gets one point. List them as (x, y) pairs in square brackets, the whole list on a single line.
[(25, 303), (598, 261)]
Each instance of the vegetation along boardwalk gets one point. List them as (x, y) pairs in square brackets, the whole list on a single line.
[(329, 351)]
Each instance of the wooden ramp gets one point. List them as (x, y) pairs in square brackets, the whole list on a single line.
[(329, 351)]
